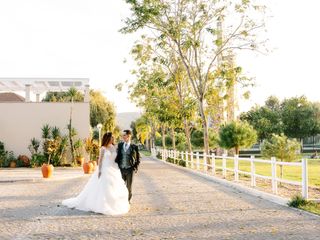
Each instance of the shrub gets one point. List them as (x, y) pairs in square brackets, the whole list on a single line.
[(23, 160), (182, 163), (170, 160), (37, 160), (5, 156), (282, 148), (297, 201)]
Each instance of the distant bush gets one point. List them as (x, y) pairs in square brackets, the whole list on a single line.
[(5, 156)]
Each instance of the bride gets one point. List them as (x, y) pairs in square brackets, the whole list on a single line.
[(105, 192)]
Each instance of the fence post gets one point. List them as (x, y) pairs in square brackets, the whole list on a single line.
[(213, 163), (224, 165), (253, 172), (205, 164), (274, 175), (162, 154), (198, 161), (187, 159), (182, 158), (236, 168), (177, 156), (304, 166), (191, 156)]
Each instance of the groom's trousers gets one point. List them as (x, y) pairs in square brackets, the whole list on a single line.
[(127, 176)]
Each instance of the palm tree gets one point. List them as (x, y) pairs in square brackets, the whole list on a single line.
[(71, 93)]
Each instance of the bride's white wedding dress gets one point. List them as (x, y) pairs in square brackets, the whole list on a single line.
[(107, 194)]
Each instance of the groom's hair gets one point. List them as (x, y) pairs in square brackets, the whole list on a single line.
[(127, 132)]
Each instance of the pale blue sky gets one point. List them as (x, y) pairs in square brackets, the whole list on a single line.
[(80, 38)]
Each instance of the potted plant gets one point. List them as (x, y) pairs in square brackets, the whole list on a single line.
[(47, 168), (88, 166), (94, 153), (13, 163)]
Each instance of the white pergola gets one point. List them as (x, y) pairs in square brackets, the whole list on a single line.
[(41, 85)]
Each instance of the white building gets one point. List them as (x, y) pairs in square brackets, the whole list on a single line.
[(22, 120)]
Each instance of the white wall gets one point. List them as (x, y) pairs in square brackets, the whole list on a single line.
[(19, 122)]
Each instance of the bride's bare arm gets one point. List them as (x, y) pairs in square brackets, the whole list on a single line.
[(102, 150)]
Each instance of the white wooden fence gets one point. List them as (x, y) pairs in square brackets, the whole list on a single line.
[(192, 160)]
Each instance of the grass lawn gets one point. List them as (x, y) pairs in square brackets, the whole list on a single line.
[(311, 207), (145, 153), (289, 172)]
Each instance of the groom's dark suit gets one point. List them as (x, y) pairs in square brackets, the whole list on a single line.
[(128, 159)]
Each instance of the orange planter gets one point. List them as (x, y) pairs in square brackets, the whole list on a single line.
[(87, 167), (47, 170), (13, 164)]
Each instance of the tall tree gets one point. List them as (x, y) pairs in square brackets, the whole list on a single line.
[(102, 111), (194, 30), (72, 132)]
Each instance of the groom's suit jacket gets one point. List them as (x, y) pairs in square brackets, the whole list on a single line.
[(134, 156)]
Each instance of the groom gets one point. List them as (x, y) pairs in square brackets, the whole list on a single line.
[(128, 159)]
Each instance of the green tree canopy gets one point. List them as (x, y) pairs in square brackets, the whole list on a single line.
[(266, 120), (299, 117), (194, 30), (236, 135), (102, 111)]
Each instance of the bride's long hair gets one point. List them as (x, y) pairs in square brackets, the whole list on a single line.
[(106, 139)]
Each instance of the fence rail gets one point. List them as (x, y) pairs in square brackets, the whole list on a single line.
[(192, 160)]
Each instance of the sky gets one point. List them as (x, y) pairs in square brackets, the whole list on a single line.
[(80, 38)]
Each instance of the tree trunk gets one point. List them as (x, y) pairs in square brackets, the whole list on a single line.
[(163, 132), (205, 129), (187, 131), (237, 150), (153, 137), (147, 144), (173, 135), (70, 134)]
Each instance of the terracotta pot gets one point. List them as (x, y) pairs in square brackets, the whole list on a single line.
[(13, 164), (47, 170), (94, 165), (87, 167), (80, 160)]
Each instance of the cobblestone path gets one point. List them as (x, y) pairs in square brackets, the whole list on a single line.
[(168, 203)]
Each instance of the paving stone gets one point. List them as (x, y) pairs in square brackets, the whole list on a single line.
[(168, 203)]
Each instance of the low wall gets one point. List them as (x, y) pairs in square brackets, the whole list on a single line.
[(19, 122)]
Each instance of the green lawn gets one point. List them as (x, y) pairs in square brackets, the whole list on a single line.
[(145, 153), (290, 172)]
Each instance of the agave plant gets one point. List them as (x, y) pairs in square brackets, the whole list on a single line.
[(78, 147), (34, 146), (55, 132), (46, 131)]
